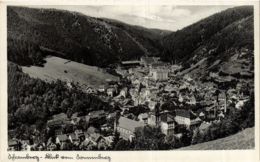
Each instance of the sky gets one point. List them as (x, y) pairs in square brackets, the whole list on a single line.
[(150, 16)]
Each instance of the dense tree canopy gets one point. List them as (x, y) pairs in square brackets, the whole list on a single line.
[(33, 101)]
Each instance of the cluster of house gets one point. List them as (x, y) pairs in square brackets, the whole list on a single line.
[(217, 102), (34, 143), (16, 144), (82, 134), (148, 76), (151, 82), (83, 140), (165, 120)]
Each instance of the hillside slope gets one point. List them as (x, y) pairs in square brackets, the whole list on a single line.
[(68, 71), (219, 48), (181, 44), (235, 61), (80, 38), (242, 140)]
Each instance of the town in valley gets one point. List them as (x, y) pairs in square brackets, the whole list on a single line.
[(149, 103), (150, 93)]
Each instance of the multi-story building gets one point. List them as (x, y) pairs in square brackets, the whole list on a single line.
[(159, 74), (164, 120), (126, 127), (167, 123), (187, 118)]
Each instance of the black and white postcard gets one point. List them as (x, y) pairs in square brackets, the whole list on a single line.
[(143, 81)]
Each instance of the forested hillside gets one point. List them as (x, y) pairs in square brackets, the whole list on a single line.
[(33, 101), (180, 45), (101, 42), (77, 37)]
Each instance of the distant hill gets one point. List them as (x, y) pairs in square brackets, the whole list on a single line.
[(222, 43), (74, 36), (240, 141), (181, 44), (235, 61)]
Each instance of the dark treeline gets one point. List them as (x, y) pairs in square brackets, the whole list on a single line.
[(32, 101), (24, 52)]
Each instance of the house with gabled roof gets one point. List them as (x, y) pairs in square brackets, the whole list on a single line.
[(126, 127), (62, 138)]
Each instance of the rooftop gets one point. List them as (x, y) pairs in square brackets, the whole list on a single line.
[(149, 60), (12, 142), (204, 125), (157, 64), (185, 113), (159, 70), (96, 113), (73, 136), (130, 62), (60, 116), (62, 137), (167, 118), (95, 137), (143, 115), (91, 130), (74, 115), (196, 121), (129, 124)]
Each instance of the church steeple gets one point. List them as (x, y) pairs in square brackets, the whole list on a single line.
[(157, 114)]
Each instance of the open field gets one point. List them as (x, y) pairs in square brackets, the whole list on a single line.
[(66, 70), (239, 141)]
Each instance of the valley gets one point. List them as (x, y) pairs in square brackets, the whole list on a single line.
[(77, 82)]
